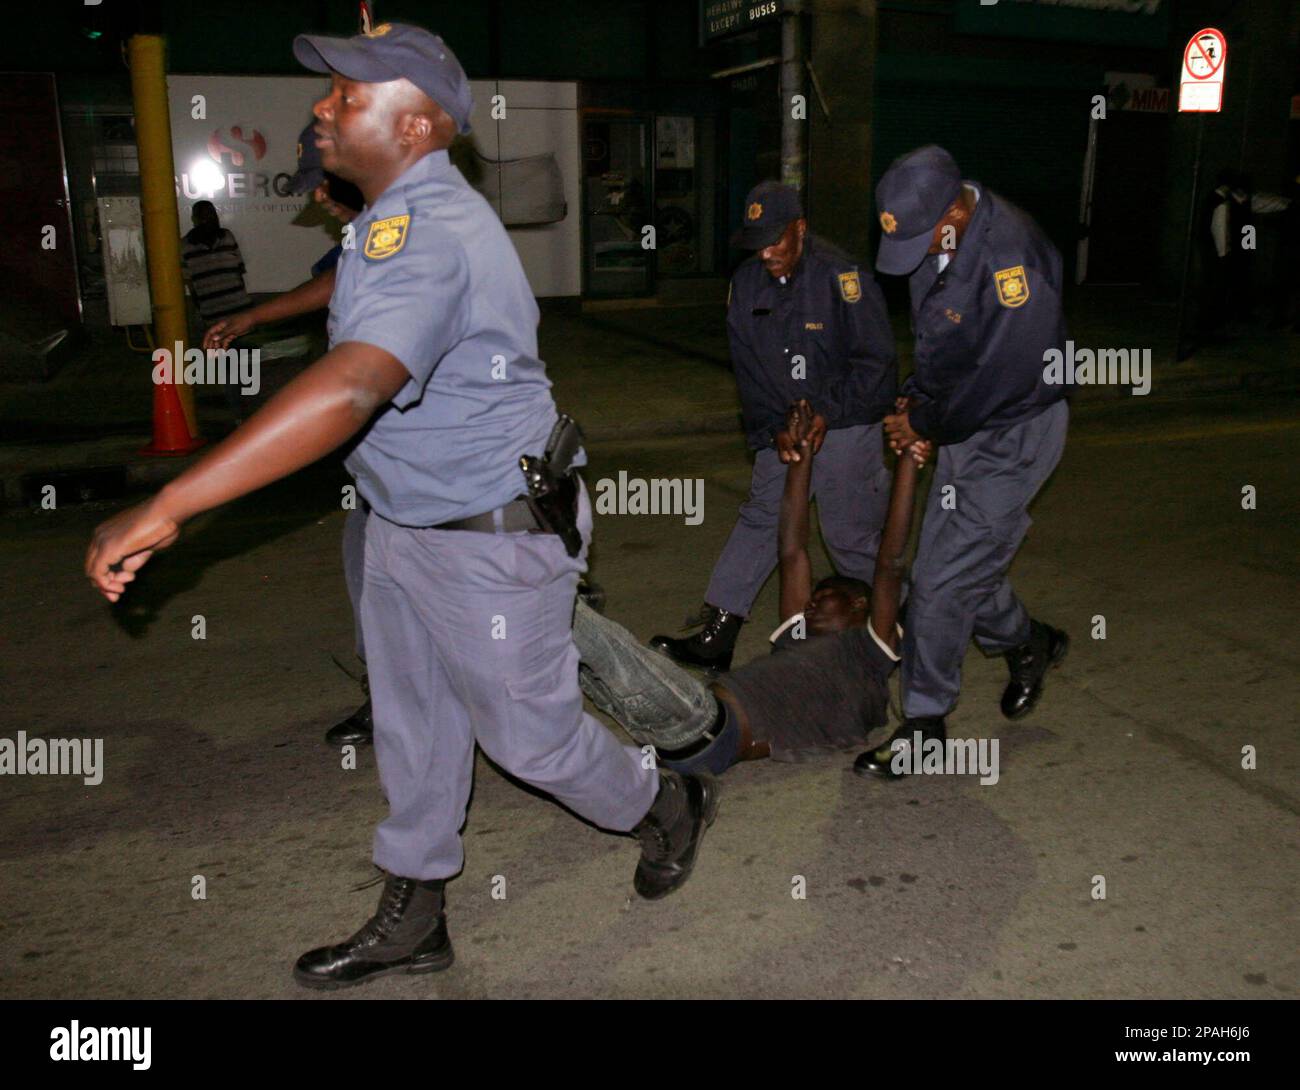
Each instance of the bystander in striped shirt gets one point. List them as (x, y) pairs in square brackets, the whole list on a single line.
[(215, 273)]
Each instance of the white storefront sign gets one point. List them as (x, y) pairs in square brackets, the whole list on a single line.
[(241, 153)]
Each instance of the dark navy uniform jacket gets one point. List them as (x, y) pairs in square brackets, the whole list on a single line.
[(983, 324), (833, 315)]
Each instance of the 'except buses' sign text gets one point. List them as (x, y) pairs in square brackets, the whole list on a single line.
[(720, 18)]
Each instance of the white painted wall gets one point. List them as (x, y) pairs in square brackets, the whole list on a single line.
[(281, 237)]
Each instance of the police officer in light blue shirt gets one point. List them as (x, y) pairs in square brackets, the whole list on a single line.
[(468, 594), (986, 307)]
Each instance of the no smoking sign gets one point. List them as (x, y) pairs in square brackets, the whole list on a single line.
[(1200, 88)]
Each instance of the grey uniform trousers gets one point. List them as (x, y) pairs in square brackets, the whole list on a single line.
[(959, 580), (354, 566), (468, 639), (851, 485)]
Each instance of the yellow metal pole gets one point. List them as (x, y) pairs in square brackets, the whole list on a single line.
[(162, 232)]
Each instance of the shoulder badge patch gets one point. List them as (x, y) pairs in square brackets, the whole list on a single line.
[(386, 237), (850, 286), (1012, 285)]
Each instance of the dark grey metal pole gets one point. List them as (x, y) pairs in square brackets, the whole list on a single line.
[(1182, 349), (793, 129)]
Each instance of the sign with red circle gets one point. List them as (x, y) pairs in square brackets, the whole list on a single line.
[(1205, 53), (1200, 87)]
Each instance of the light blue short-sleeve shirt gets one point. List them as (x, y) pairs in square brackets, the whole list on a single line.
[(434, 280)]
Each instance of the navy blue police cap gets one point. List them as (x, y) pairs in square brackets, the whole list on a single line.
[(769, 209), (911, 198), (393, 51), (310, 172)]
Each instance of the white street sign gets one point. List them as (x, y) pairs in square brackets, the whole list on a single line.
[(1200, 87)]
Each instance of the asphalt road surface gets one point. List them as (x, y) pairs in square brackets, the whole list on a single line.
[(1131, 769)]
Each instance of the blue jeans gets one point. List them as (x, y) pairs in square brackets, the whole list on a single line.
[(654, 699)]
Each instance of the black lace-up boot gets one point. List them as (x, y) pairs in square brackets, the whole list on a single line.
[(880, 761), (358, 728), (671, 832), (407, 934), (1029, 664), (711, 647)]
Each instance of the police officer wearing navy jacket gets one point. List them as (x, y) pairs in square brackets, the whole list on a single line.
[(468, 594), (803, 322), (986, 306)]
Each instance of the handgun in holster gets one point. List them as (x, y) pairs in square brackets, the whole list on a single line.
[(553, 483)]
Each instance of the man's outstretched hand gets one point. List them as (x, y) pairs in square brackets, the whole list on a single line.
[(120, 546), (805, 430), (221, 332)]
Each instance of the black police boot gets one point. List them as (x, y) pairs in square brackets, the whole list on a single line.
[(711, 647), (358, 728), (880, 761), (1029, 664), (407, 934), (671, 832)]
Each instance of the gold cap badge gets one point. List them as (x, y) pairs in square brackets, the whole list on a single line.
[(754, 211), (888, 223)]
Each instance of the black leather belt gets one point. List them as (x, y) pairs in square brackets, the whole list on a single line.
[(514, 517)]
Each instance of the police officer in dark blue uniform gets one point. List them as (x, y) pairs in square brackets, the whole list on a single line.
[(986, 307), (468, 591), (803, 322)]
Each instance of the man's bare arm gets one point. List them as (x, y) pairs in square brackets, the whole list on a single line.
[(305, 298), (792, 529), (318, 411), (891, 560)]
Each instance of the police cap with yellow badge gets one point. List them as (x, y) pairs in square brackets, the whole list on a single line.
[(769, 209), (392, 51), (911, 198)]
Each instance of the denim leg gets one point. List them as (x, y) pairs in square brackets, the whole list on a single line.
[(655, 700)]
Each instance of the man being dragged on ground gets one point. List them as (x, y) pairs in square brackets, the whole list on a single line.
[(824, 689)]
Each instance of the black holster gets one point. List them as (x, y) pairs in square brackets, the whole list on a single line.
[(553, 484)]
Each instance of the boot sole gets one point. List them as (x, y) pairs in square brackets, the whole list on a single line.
[(1057, 658), (433, 964)]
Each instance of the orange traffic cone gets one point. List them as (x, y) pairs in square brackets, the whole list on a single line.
[(171, 434)]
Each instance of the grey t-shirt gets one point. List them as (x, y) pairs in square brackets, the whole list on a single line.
[(815, 694)]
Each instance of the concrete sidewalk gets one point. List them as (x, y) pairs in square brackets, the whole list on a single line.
[(633, 373)]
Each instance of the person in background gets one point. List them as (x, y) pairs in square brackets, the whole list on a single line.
[(214, 270), (1229, 242), (213, 265), (342, 200)]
